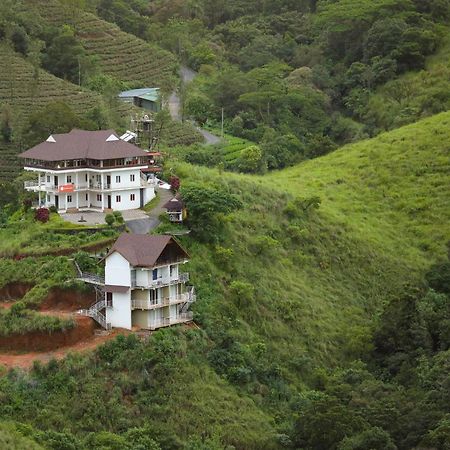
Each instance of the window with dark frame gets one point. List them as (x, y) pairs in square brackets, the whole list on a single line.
[(118, 198), (109, 299)]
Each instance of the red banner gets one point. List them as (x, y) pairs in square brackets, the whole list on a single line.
[(66, 188)]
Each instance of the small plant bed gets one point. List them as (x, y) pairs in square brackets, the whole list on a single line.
[(24, 235)]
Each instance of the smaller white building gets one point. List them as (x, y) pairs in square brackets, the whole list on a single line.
[(145, 286)]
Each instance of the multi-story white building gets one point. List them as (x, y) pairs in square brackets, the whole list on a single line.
[(89, 170), (144, 285)]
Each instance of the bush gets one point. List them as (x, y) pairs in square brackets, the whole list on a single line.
[(110, 219), (118, 217), (42, 215)]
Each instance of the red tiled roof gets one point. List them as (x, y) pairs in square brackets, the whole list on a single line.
[(80, 144)]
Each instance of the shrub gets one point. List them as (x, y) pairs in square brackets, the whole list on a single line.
[(42, 215), (174, 183), (110, 219), (118, 217)]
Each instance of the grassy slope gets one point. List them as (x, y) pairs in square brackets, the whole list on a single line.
[(392, 190), (119, 54), (383, 220)]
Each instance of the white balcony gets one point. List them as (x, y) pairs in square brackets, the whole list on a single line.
[(182, 318), (187, 297), (182, 277)]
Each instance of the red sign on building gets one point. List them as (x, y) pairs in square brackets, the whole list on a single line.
[(66, 188)]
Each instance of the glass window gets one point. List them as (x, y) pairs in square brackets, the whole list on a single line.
[(118, 198), (117, 178), (69, 178), (132, 197), (131, 177), (69, 199)]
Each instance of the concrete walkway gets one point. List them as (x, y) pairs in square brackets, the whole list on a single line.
[(98, 217), (143, 225)]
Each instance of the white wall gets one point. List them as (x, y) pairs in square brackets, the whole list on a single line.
[(142, 277), (117, 270), (125, 200), (149, 194), (125, 179), (119, 315)]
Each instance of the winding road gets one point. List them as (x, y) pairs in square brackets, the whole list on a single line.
[(187, 75)]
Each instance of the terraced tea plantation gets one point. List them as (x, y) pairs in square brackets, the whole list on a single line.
[(120, 54), (26, 91)]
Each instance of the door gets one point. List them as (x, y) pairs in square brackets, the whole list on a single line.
[(57, 201), (56, 181), (142, 197), (109, 202), (108, 181)]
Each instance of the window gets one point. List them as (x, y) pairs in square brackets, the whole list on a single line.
[(132, 197), (69, 199), (117, 178), (87, 197), (69, 178), (99, 197), (48, 178), (85, 177), (155, 274), (48, 198), (131, 177), (172, 271), (153, 297), (109, 299), (117, 198)]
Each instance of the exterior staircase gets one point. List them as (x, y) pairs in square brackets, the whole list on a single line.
[(95, 312)]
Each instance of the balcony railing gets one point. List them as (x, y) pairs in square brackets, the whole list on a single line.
[(182, 318), (187, 297), (183, 277)]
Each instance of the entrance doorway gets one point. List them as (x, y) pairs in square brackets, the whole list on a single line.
[(56, 201), (109, 202)]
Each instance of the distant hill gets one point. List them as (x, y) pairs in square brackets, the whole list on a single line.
[(119, 54)]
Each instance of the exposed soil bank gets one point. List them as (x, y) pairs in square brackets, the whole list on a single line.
[(58, 299), (67, 300), (43, 341), (12, 291)]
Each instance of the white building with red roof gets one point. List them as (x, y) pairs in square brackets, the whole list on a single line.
[(89, 170)]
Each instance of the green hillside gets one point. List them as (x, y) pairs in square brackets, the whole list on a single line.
[(287, 292), (27, 91), (121, 55), (391, 190)]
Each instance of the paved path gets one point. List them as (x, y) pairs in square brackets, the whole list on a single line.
[(144, 225), (187, 75)]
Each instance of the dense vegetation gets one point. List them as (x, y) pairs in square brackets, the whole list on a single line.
[(323, 289), (314, 311), (301, 77)]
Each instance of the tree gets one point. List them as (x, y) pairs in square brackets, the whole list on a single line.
[(56, 117), (373, 438), (65, 56), (206, 207), (251, 160)]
